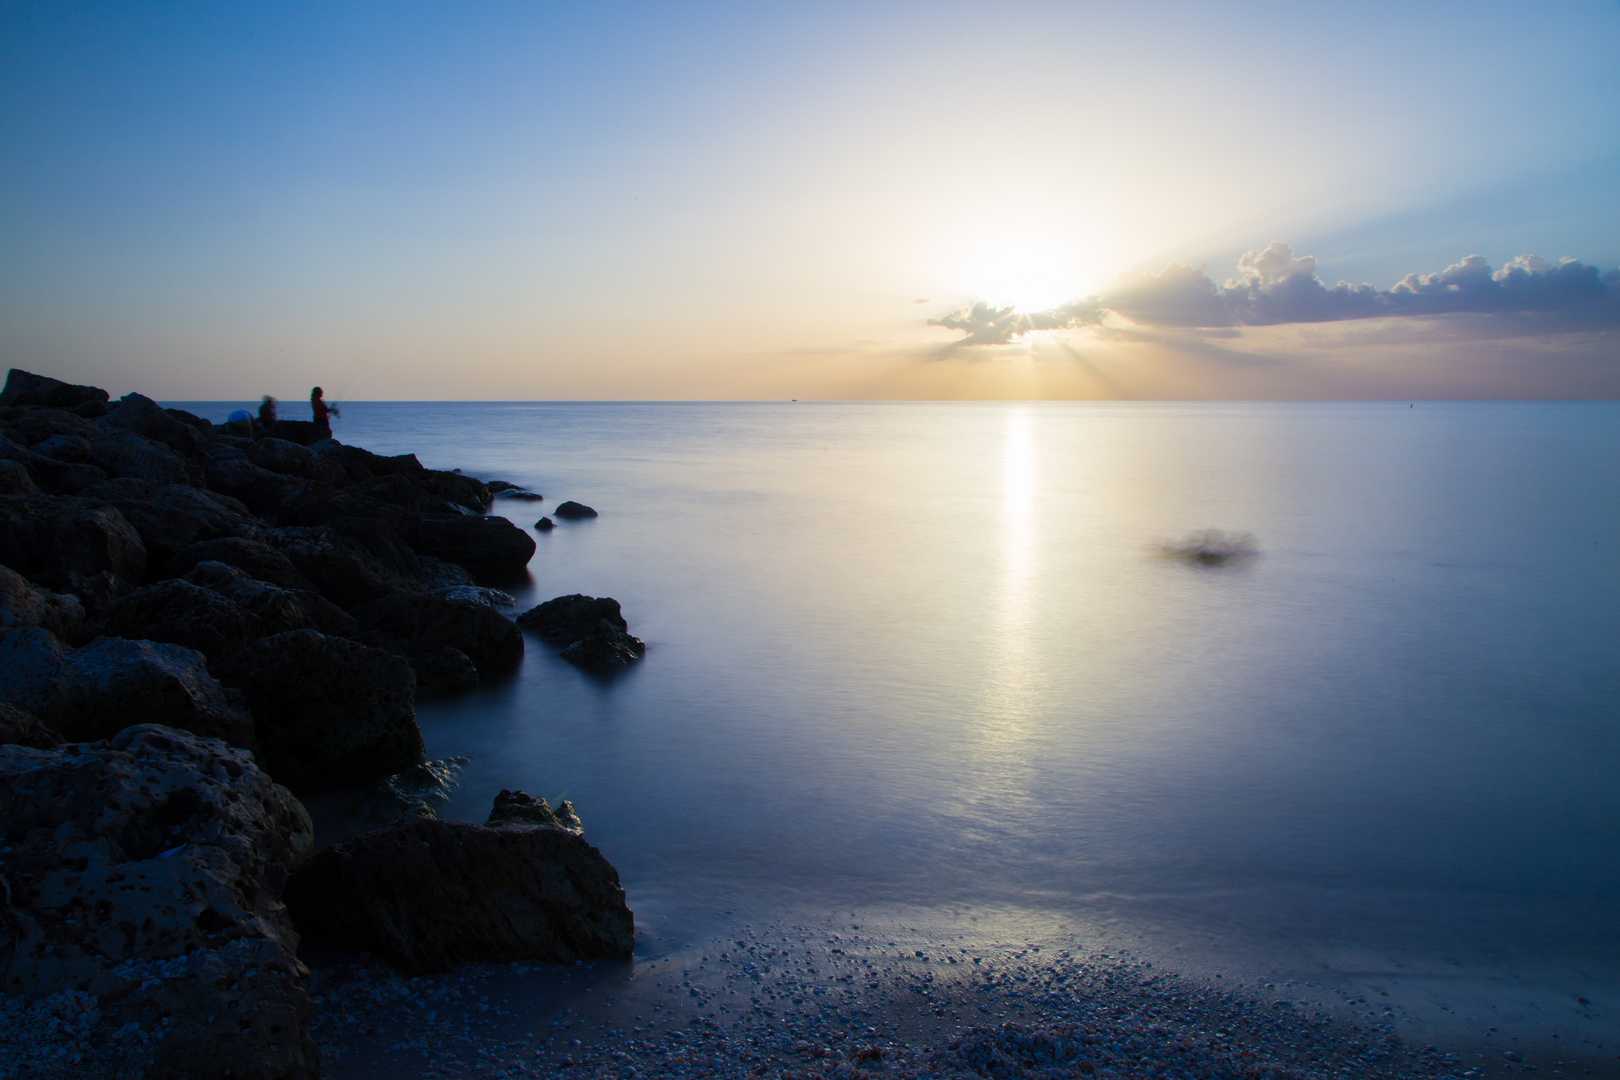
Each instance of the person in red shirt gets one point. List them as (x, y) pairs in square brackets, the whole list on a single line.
[(321, 409)]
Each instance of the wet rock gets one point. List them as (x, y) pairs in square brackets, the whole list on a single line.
[(488, 547), (255, 558), (432, 894), (25, 729), (425, 622), (122, 452), (182, 613), (23, 604), (519, 808), (281, 456), (107, 686), (604, 650), (146, 871), (328, 711), (573, 511), (25, 388), (278, 609), (477, 594), (545, 524), (14, 479), (415, 792), (566, 619)]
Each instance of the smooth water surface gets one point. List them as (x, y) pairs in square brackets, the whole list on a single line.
[(930, 655)]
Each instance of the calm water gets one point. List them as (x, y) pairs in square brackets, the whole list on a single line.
[(924, 657)]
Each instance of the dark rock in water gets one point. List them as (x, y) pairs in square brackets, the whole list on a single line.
[(344, 465), (53, 540), (573, 511), (147, 871), (545, 524), (328, 711), (25, 388), (301, 432), (463, 491), (521, 808), (281, 456), (433, 894), (416, 791), (278, 609), (489, 547), (254, 558), (424, 623), (104, 688), (442, 671), (520, 494), (25, 729), (605, 649), (1212, 547), (569, 618), (477, 594), (23, 604), (14, 479), (182, 613)]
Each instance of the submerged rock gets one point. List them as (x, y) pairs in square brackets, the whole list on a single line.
[(573, 511), (328, 712), (1212, 547), (147, 871), (432, 894), (605, 649)]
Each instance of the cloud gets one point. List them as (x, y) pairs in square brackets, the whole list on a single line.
[(1273, 288)]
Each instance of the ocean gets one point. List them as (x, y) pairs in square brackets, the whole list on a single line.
[(935, 666)]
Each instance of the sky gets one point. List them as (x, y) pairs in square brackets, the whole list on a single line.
[(815, 201)]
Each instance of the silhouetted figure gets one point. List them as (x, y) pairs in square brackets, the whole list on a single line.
[(321, 409), (267, 411)]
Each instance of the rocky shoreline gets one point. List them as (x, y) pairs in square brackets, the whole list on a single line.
[(196, 618)]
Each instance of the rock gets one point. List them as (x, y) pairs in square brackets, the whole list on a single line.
[(33, 426), (115, 682), (23, 604), (278, 609), (425, 622), (26, 388), (605, 649), (51, 540), (521, 808), (31, 661), (459, 490), (489, 547), (73, 449), (281, 456), (228, 471), (573, 511), (182, 613), (122, 452), (147, 871), (416, 791), (477, 594), (14, 479), (519, 494), (545, 524), (25, 729), (569, 618), (328, 711), (429, 895), (49, 474), (307, 504), (438, 574), (439, 672), (301, 432), (342, 570), (255, 558), (141, 415)]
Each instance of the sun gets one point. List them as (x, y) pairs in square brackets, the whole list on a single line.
[(1030, 271)]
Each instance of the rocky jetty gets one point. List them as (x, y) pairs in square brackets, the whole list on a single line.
[(191, 616), (432, 894)]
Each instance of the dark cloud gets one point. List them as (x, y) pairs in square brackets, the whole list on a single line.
[(1273, 287)]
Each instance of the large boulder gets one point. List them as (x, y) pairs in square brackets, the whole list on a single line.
[(26, 729), (228, 471), (489, 547), (15, 479), (122, 452), (604, 650), (573, 511), (345, 568), (281, 456), (24, 604), (182, 613), (255, 558), (329, 712), (25, 388), (31, 661), (48, 473), (278, 609), (429, 895), (425, 622), (146, 418), (458, 490), (62, 541), (116, 682), (147, 872)]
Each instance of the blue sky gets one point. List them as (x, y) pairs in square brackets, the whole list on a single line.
[(712, 201)]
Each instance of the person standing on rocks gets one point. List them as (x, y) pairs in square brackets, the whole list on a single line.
[(322, 410), (267, 412)]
